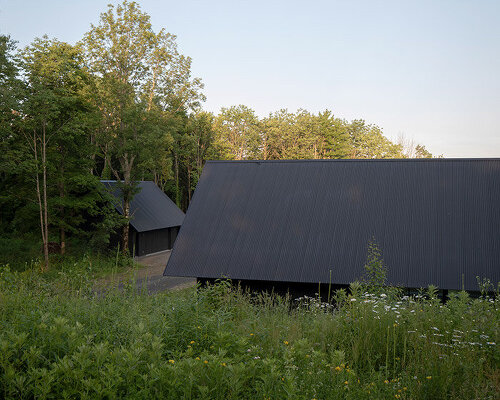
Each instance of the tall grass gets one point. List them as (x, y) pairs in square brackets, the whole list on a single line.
[(59, 339)]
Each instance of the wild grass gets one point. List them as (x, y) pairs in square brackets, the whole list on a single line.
[(60, 339)]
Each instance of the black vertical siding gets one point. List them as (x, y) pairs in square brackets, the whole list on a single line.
[(155, 240)]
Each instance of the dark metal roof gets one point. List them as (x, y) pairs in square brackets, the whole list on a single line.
[(150, 208), (437, 221)]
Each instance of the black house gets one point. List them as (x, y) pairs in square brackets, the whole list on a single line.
[(286, 223), (155, 219)]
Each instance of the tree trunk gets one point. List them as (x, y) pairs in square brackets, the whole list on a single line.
[(40, 204), (177, 194), (45, 211), (127, 168), (62, 231), (126, 228), (189, 182)]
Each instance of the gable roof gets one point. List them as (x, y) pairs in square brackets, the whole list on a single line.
[(150, 208), (437, 221)]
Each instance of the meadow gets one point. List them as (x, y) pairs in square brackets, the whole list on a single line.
[(62, 339)]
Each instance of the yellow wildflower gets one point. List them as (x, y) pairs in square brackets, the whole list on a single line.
[(386, 381), (397, 396), (206, 362), (192, 342), (198, 358), (171, 361), (346, 382), (251, 334), (285, 341), (429, 377), (223, 364), (337, 368)]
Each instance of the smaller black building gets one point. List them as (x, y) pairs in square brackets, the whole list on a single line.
[(155, 219)]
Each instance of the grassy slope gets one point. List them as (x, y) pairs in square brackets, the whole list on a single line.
[(59, 340)]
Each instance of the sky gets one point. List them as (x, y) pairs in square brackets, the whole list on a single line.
[(428, 70)]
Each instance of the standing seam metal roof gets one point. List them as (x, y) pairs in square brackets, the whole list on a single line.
[(437, 221), (150, 208)]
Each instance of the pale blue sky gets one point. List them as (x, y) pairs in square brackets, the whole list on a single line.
[(427, 69)]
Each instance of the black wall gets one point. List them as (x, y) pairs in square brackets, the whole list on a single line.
[(156, 240)]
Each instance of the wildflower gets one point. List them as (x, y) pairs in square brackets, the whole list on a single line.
[(395, 325), (198, 358), (205, 362), (386, 381), (251, 334), (346, 382), (337, 368), (223, 364), (429, 377), (285, 341), (282, 378), (353, 299), (256, 358), (171, 361), (405, 388), (192, 342), (189, 346), (397, 396), (383, 295)]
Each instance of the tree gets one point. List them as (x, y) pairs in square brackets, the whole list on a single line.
[(11, 94), (142, 79), (237, 133), (53, 124), (367, 141), (410, 149)]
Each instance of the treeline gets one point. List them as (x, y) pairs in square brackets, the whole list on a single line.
[(122, 104)]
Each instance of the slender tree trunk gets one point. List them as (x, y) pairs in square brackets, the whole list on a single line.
[(126, 228), (127, 167), (45, 211), (62, 231), (40, 204), (177, 194), (189, 182)]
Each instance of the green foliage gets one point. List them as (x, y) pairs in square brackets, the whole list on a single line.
[(375, 269), (60, 339), (237, 133)]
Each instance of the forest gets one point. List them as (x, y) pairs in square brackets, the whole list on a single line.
[(122, 104)]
